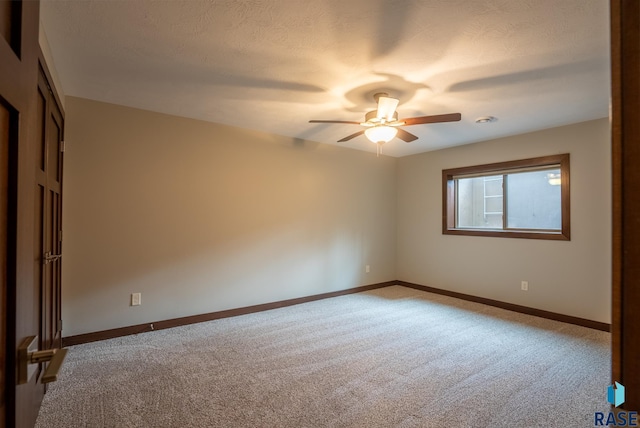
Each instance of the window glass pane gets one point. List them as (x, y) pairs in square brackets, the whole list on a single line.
[(480, 202), (517, 199), (534, 200)]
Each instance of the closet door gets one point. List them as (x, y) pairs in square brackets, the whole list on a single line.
[(48, 225)]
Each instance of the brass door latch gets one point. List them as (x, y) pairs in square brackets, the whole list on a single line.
[(50, 258), (29, 357)]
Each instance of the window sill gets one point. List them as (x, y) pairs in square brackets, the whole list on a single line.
[(529, 234)]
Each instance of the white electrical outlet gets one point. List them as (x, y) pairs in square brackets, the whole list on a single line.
[(524, 285), (136, 299), (367, 268)]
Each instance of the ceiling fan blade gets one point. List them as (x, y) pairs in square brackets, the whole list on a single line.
[(451, 117), (334, 121), (405, 136), (386, 108), (349, 137)]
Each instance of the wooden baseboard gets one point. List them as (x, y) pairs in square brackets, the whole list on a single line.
[(176, 322), (511, 307)]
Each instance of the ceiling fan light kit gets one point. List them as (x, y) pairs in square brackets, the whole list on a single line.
[(381, 133), (382, 125)]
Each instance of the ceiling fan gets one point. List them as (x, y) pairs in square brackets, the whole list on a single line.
[(382, 125)]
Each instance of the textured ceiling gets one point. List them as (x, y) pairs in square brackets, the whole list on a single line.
[(272, 65)]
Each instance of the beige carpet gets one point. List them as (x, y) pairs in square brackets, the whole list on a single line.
[(393, 357)]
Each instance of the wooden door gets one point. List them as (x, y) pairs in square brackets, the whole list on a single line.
[(625, 133), (5, 124), (48, 225), (20, 296)]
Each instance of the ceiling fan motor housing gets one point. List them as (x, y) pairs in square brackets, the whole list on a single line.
[(377, 96), (372, 117)]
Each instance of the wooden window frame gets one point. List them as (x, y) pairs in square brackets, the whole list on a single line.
[(449, 198)]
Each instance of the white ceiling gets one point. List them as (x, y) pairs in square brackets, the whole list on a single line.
[(272, 65)]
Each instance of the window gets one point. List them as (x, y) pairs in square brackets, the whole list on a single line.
[(526, 198)]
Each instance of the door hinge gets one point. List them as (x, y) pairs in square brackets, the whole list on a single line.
[(62, 146), (59, 325), (60, 235)]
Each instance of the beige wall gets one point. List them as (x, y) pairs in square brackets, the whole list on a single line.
[(200, 217), (572, 278)]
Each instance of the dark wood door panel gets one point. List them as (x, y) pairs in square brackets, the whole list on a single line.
[(19, 52), (10, 24), (49, 215), (5, 126), (56, 278), (625, 133), (39, 235), (55, 141), (41, 111)]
